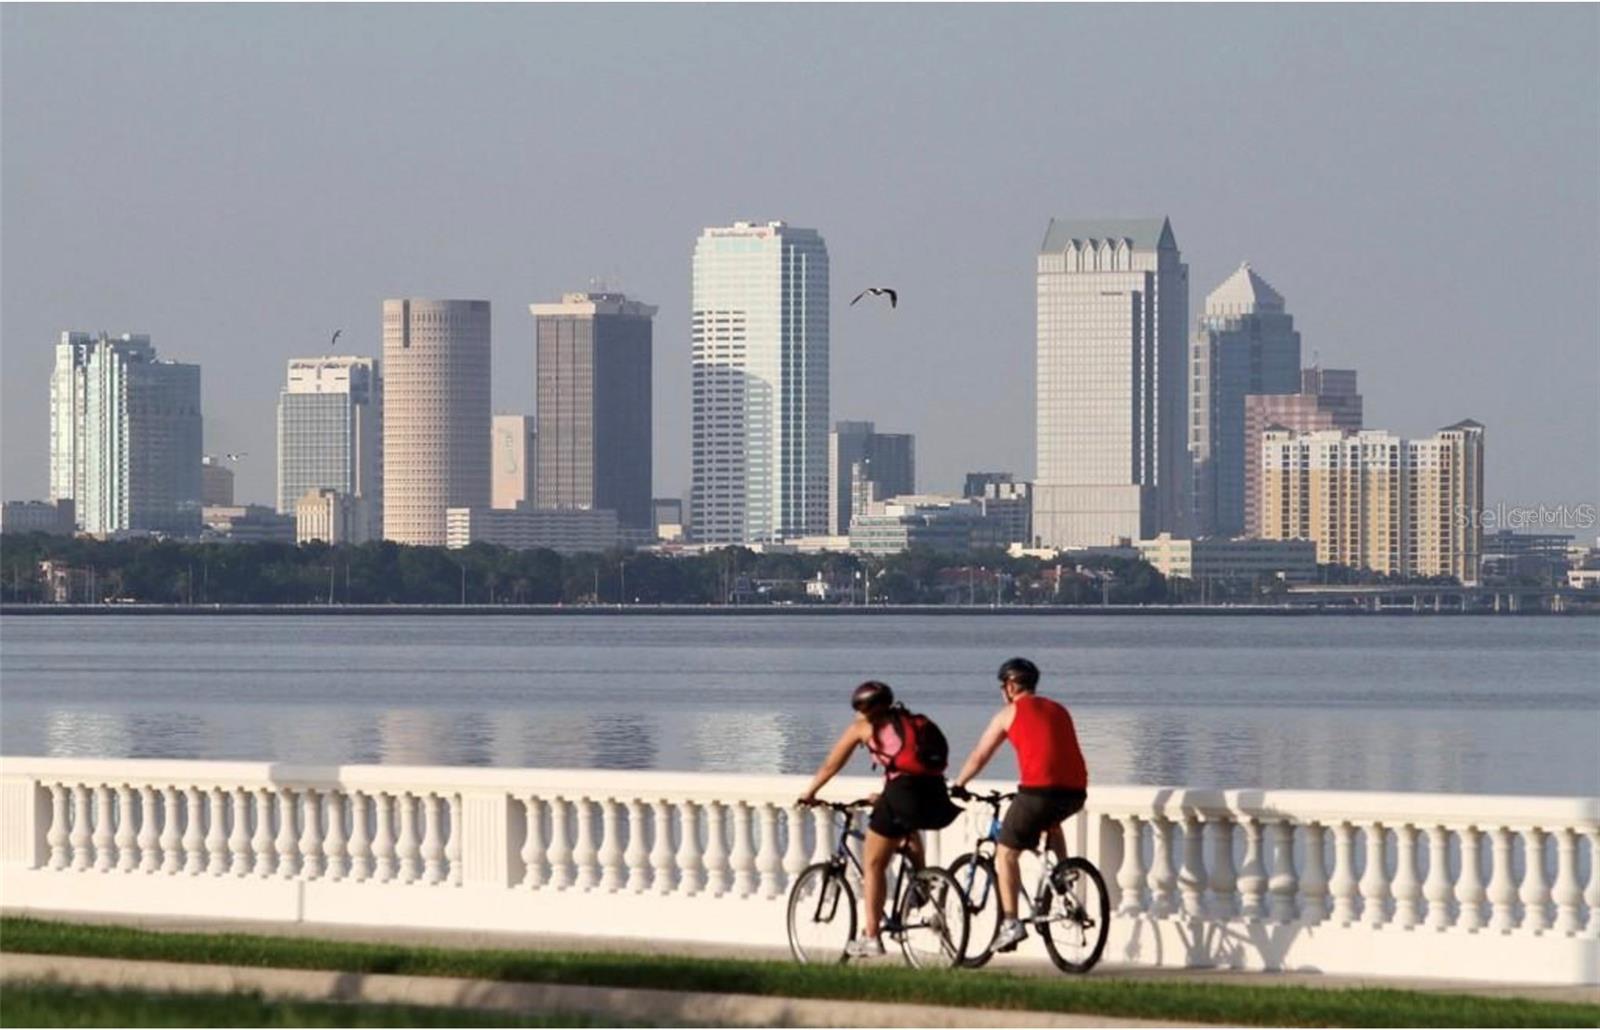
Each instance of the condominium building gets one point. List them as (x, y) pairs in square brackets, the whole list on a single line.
[(594, 401), (1245, 343), (435, 415), (1327, 400), (330, 433), (513, 461), (1113, 462), (759, 337), (866, 466), (1376, 501), (125, 435)]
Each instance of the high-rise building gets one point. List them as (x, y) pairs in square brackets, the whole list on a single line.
[(435, 415), (1327, 400), (866, 466), (759, 335), (594, 401), (513, 461), (330, 434), (216, 483), (125, 435), (1245, 343), (977, 484), (1113, 462), (1373, 500)]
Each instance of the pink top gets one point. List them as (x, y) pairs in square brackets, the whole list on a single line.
[(883, 746)]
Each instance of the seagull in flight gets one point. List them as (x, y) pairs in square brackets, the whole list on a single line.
[(236, 457), (335, 339), (879, 291)]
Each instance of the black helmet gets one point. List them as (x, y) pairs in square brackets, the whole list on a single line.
[(871, 695), (1023, 672)]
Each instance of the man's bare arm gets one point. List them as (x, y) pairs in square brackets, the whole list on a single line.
[(993, 736)]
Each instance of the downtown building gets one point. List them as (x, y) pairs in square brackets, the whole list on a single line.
[(514, 461), (330, 438), (864, 468), (1327, 400), (1113, 461), (593, 384), (1372, 500), (435, 415), (125, 436), (759, 354), (1245, 344)]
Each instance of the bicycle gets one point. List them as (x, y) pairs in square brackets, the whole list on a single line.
[(928, 917), (1069, 907)]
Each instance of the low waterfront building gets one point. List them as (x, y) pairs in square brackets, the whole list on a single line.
[(1007, 511), (1508, 554), (1239, 559), (247, 524), (939, 523), (57, 518), (332, 517), (564, 530)]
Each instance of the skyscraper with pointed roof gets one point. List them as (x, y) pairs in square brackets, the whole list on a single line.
[(1244, 343), (1113, 311)]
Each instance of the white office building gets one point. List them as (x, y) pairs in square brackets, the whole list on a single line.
[(514, 460), (564, 530), (1113, 463), (759, 336), (330, 434)]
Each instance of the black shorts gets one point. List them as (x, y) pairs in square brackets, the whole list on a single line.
[(1033, 811), (912, 803)]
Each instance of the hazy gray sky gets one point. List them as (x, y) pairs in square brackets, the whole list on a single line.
[(1421, 183)]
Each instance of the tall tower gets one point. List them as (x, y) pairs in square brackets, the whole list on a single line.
[(1244, 343), (330, 434), (759, 337), (1113, 462), (593, 380), (513, 461), (435, 415)]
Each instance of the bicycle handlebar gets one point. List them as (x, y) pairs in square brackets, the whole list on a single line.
[(838, 806), (993, 797)]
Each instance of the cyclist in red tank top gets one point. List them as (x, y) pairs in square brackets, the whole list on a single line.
[(1053, 781)]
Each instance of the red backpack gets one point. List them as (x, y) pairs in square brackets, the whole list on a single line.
[(924, 751)]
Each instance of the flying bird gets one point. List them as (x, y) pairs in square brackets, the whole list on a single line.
[(879, 291), (236, 457), (335, 339)]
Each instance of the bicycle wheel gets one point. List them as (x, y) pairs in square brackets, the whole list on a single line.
[(975, 875), (822, 915), (1078, 918), (933, 922)]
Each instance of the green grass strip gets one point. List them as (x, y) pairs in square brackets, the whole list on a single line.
[(1286, 1005), (48, 1004)]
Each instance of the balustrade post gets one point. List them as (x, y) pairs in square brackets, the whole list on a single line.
[(266, 857), (1283, 885), (1502, 892), (1163, 878), (1192, 875), (743, 854), (1407, 889), (691, 874), (1436, 888), (455, 843), (149, 830), (385, 860), (104, 857), (661, 846), (127, 857), (1342, 885), (171, 856), (1470, 894), (1568, 897), (432, 850), (1221, 880), (584, 850), (194, 840), (1591, 892), (794, 852), (1131, 874), (533, 843), (360, 839), (310, 834), (1314, 881), (288, 861), (56, 836), (335, 861), (82, 856), (637, 855), (768, 861), (1252, 874), (239, 840), (216, 832), (611, 869), (1535, 891), (716, 857), (559, 852), (1375, 878), (408, 844)]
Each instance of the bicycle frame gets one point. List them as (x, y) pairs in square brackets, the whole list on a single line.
[(989, 845), (844, 857)]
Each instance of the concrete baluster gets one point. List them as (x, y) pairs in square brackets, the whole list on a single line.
[(1535, 891), (79, 838), (637, 855), (1130, 877), (794, 851), (149, 830), (661, 847), (432, 849), (769, 862), (385, 862), (455, 842), (1568, 896), (1502, 891), (1375, 878), (1163, 878), (310, 834), (1252, 874), (104, 856), (584, 850), (360, 844), (611, 868), (335, 859), (288, 861), (1192, 876), (1407, 889), (194, 841), (216, 832), (408, 842), (743, 855), (171, 853), (1314, 880), (1591, 892), (1436, 888), (1283, 885), (1221, 880), (1342, 885), (718, 877), (266, 858), (56, 836), (559, 852), (1470, 894), (822, 834), (239, 839), (126, 839), (691, 872), (533, 843)]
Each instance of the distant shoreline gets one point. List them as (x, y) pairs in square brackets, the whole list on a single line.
[(809, 611)]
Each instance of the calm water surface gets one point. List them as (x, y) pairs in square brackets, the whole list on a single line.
[(1482, 705)]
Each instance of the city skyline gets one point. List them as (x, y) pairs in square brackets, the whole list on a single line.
[(1376, 247)]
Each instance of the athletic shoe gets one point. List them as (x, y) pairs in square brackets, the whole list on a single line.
[(1011, 934), (864, 947)]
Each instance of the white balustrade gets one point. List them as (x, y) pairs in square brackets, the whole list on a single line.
[(1504, 888)]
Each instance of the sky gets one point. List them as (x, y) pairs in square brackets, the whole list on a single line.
[(1421, 183)]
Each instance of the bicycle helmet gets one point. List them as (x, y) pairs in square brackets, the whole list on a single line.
[(871, 696), (1021, 671)]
